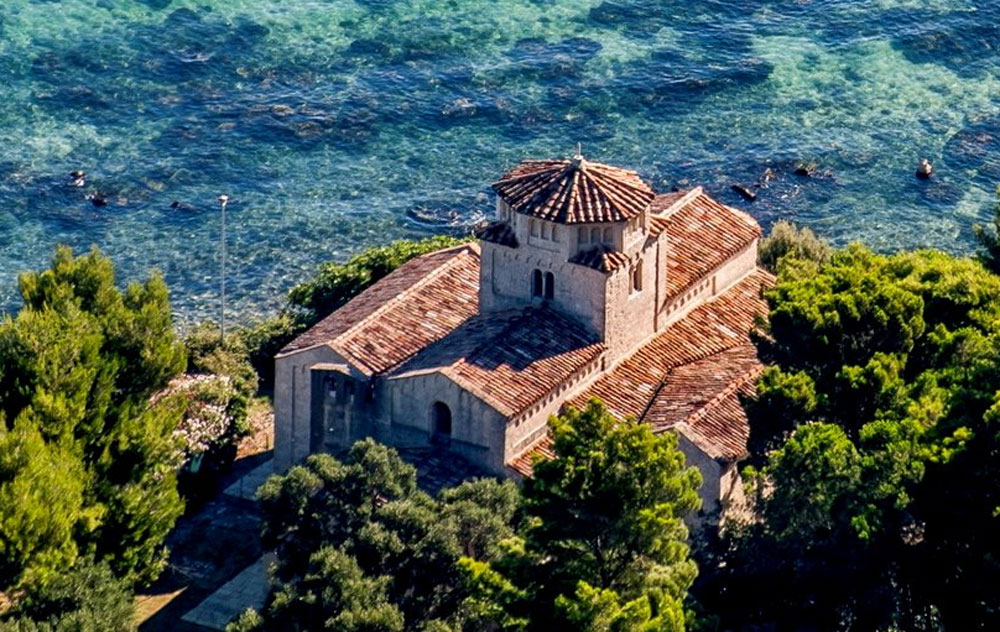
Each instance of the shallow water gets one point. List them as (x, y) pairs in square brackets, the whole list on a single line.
[(337, 124)]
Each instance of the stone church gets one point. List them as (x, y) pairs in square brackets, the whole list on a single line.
[(586, 284)]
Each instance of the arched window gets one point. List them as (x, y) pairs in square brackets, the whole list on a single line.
[(441, 416), (581, 235), (550, 282), (637, 277), (534, 228), (545, 230), (607, 235), (595, 235), (555, 233), (536, 283)]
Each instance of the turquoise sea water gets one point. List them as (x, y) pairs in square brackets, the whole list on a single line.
[(337, 124)]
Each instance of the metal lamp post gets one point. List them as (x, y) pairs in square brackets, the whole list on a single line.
[(223, 200)]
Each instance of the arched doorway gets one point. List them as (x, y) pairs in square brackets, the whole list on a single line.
[(441, 416)]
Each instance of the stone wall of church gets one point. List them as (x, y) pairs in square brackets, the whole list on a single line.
[(524, 430), (737, 267), (293, 403), (630, 313), (712, 475), (477, 430), (506, 283)]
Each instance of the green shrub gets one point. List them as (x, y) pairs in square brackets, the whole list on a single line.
[(785, 239), (207, 355)]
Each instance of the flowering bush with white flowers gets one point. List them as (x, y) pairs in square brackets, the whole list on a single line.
[(208, 418)]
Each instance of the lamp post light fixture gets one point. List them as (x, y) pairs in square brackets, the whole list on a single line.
[(223, 200)]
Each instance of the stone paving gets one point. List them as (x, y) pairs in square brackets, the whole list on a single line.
[(437, 468), (246, 486), (246, 590)]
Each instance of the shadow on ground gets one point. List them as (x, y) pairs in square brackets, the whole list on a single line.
[(208, 547)]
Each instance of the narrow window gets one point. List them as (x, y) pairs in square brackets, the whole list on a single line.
[(536, 283), (545, 230), (637, 277), (534, 228), (550, 281), (581, 235), (595, 235), (555, 233), (607, 235)]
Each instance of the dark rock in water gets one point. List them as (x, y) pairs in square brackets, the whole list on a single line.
[(97, 200), (963, 45), (805, 170), (925, 169), (181, 206), (746, 193), (975, 148), (181, 18), (368, 48), (156, 5), (77, 174)]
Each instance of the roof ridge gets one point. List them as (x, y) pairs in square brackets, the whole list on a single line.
[(687, 428), (681, 202), (734, 385), (384, 307)]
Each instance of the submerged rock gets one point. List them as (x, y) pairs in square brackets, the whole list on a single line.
[(805, 170)]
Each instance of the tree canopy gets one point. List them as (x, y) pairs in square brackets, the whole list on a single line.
[(788, 240), (360, 547), (596, 541), (86, 598), (86, 466), (873, 439)]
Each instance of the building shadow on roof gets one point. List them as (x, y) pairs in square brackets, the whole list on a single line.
[(515, 339)]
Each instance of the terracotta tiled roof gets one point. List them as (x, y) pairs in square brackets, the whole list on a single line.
[(524, 464), (720, 324), (663, 202), (498, 233), (574, 191), (689, 376), (601, 258), (511, 360), (696, 400), (702, 234), (721, 428), (418, 303)]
